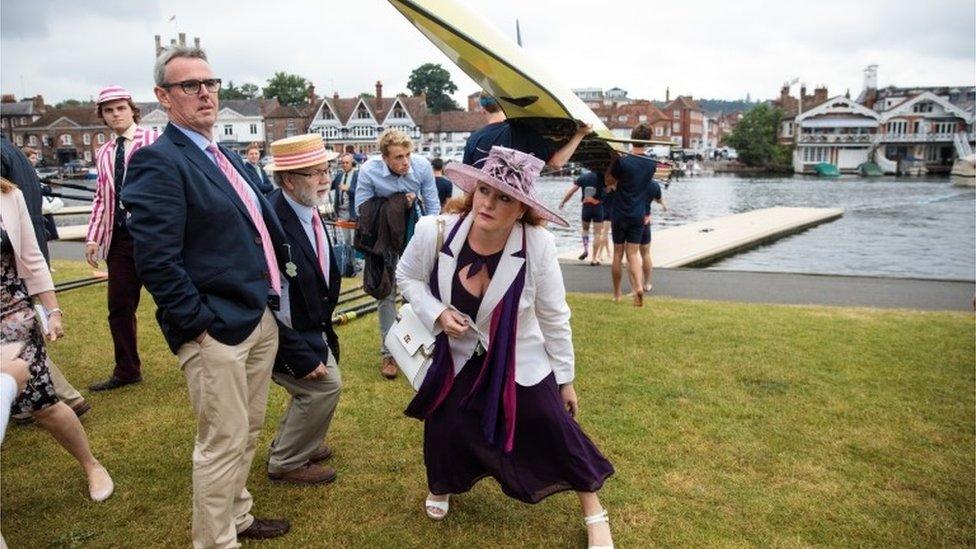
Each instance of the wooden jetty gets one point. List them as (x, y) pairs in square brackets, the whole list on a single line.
[(704, 242)]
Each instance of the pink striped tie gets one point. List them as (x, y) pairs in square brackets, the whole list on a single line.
[(320, 245), (235, 181)]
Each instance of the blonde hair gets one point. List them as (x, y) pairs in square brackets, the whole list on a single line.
[(394, 138), (6, 185), (462, 205)]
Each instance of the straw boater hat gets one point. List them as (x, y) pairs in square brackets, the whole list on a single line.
[(508, 171), (300, 151), (112, 93)]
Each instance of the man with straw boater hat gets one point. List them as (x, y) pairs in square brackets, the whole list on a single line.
[(308, 349), (107, 236)]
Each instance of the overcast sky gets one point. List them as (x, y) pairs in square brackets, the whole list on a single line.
[(712, 49)]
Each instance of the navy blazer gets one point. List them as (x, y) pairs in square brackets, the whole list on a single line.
[(311, 299), (259, 177), (352, 192), (196, 248)]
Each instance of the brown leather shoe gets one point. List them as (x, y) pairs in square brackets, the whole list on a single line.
[(265, 529), (322, 454), (309, 473), (389, 368)]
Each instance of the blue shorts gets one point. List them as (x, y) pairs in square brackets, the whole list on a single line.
[(630, 231), (592, 212), (646, 235)]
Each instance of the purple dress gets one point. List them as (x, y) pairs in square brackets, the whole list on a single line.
[(551, 453)]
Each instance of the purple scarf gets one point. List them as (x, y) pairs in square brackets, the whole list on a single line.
[(493, 392)]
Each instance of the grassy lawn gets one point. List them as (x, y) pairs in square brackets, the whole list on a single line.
[(729, 425)]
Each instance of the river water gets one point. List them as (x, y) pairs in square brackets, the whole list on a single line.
[(902, 227)]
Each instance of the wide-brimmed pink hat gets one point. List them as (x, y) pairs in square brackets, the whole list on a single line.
[(508, 171), (112, 93)]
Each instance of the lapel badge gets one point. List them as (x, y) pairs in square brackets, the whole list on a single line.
[(290, 269)]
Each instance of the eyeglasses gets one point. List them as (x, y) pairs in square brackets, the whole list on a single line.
[(191, 87), (318, 174)]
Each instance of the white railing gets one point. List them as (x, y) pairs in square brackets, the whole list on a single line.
[(838, 138), (882, 138), (224, 137), (915, 137)]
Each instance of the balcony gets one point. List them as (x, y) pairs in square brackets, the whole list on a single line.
[(837, 138), (918, 137), (223, 138)]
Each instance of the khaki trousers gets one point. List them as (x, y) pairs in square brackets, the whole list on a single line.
[(228, 387), (66, 393), (307, 418)]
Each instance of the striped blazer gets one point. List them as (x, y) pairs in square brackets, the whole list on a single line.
[(103, 207)]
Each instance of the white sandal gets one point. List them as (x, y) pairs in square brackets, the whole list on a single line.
[(596, 519), (442, 506)]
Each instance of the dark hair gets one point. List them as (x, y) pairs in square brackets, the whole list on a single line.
[(437, 164), (350, 149), (136, 113), (642, 131), (463, 204), (254, 146)]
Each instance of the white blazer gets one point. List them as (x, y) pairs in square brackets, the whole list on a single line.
[(544, 340)]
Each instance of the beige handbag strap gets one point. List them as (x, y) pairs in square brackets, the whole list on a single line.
[(440, 235)]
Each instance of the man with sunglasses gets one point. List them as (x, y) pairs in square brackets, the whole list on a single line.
[(308, 349), (207, 245)]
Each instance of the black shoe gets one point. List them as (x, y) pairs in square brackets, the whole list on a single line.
[(113, 383), (265, 529)]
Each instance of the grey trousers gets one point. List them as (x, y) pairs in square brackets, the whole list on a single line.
[(387, 313), (307, 418)]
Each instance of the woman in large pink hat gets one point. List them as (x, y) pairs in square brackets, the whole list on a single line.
[(498, 399)]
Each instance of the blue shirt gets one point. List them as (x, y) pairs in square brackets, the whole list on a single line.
[(376, 179), (200, 141), (592, 185), (507, 133), (635, 187)]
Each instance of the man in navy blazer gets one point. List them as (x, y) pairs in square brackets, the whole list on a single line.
[(206, 246), (254, 169), (308, 349)]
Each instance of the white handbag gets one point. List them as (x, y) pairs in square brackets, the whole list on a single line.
[(412, 346), (410, 342)]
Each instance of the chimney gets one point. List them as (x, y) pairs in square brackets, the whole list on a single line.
[(667, 94), (182, 38), (8, 98), (196, 42), (159, 45), (820, 94), (784, 94), (379, 95), (803, 91), (335, 94), (311, 94)]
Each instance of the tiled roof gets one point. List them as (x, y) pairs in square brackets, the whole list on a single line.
[(683, 102), (24, 107), (453, 121), (83, 116)]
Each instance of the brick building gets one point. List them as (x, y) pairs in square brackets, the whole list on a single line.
[(444, 135), (687, 122), (62, 135), (15, 113)]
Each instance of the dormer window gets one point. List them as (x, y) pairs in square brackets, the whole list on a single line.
[(362, 113), (398, 112)]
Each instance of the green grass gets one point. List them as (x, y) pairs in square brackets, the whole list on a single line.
[(728, 424)]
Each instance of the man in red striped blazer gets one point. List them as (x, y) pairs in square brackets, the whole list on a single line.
[(108, 237)]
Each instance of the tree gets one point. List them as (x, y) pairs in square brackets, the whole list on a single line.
[(367, 95), (754, 138), (246, 91), (433, 80), (290, 89), (68, 103)]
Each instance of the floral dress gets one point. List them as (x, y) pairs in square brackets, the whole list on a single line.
[(18, 322)]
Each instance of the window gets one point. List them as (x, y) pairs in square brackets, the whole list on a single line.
[(46, 139), (327, 114), (642, 118), (87, 156), (101, 137), (398, 112), (254, 129), (897, 127), (32, 140), (945, 127), (659, 131), (622, 118), (86, 139), (676, 127), (815, 154), (924, 106), (20, 141), (362, 113), (66, 139), (677, 115), (228, 129)]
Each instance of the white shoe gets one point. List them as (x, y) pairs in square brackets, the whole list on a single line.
[(437, 510), (100, 485), (596, 519)]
